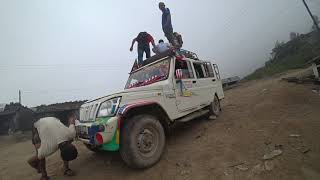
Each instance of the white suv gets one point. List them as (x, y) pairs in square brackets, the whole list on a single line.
[(171, 87)]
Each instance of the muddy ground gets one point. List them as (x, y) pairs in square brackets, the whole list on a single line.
[(258, 117)]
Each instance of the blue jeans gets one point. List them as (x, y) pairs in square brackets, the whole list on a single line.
[(141, 50)]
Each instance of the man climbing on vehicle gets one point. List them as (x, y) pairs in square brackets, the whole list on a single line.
[(143, 39), (166, 23)]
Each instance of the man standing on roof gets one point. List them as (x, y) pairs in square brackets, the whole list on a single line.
[(166, 23), (143, 40)]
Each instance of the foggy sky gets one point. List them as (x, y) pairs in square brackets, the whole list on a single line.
[(56, 51)]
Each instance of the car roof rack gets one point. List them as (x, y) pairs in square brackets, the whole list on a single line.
[(188, 54), (169, 52)]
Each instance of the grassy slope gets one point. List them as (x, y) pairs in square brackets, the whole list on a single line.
[(293, 54)]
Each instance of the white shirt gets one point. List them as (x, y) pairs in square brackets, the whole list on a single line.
[(52, 132), (162, 47)]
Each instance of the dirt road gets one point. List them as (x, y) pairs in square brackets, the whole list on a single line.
[(257, 118)]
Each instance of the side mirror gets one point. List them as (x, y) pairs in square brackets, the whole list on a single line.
[(179, 73)]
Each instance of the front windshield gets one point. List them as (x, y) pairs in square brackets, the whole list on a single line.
[(149, 74)]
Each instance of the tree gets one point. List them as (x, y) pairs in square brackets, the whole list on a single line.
[(293, 36), (277, 48)]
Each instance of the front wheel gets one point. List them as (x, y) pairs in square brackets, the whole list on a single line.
[(142, 141), (92, 148)]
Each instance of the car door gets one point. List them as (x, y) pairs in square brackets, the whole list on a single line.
[(218, 81), (186, 97), (204, 83)]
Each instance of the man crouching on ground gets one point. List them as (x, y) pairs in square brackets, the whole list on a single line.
[(49, 135)]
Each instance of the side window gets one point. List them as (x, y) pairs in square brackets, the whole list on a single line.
[(206, 70), (198, 70), (92, 112), (186, 69), (209, 69), (216, 69)]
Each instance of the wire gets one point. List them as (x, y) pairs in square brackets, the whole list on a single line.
[(50, 66), (244, 12), (314, 2)]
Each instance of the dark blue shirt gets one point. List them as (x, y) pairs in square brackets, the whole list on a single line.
[(166, 26)]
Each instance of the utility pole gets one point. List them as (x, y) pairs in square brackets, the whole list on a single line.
[(313, 19), (19, 96)]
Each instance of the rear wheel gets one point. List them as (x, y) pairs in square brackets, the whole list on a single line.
[(215, 107), (142, 141)]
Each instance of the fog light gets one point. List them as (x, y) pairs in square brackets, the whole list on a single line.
[(99, 139)]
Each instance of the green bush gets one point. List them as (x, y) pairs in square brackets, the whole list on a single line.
[(291, 55)]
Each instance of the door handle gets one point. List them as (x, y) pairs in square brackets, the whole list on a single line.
[(213, 80), (194, 82)]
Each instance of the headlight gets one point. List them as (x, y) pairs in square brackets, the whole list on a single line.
[(109, 107)]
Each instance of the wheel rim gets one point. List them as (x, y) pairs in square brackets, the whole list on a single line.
[(147, 141)]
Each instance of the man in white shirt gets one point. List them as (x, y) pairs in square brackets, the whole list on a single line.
[(161, 47), (49, 135)]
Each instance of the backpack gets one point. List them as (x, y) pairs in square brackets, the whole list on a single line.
[(178, 39)]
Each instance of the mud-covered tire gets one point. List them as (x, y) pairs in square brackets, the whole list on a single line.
[(215, 107), (142, 141)]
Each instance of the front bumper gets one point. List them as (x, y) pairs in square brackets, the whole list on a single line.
[(87, 131)]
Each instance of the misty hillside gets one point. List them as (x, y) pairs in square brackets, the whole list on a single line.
[(290, 55)]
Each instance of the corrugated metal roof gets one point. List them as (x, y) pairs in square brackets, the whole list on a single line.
[(11, 109), (59, 107), (2, 107)]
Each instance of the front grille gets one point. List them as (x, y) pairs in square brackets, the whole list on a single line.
[(83, 132), (84, 136)]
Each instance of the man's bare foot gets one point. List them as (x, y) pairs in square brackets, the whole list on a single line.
[(68, 172), (44, 178), (34, 163), (38, 170)]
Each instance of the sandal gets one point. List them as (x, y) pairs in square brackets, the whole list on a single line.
[(68, 172)]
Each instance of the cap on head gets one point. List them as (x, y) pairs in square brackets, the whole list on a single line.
[(68, 152)]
